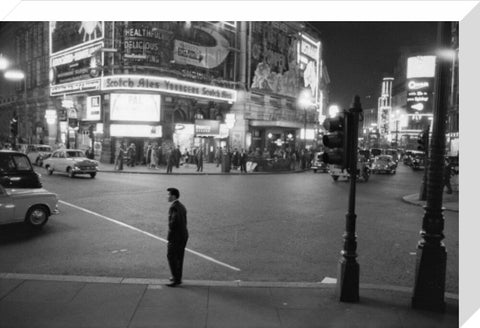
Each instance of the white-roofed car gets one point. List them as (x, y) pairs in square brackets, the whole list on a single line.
[(72, 162), (30, 205), (37, 153)]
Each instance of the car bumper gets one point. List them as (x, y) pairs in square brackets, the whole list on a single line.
[(78, 170)]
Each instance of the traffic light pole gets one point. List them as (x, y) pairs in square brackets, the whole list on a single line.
[(349, 269)]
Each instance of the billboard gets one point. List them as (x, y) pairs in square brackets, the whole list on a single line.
[(420, 95), (207, 128), (66, 36), (420, 84), (135, 107)]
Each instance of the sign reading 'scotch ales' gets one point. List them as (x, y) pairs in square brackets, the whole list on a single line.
[(169, 85)]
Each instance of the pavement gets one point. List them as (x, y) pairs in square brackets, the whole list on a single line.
[(208, 169), (80, 301), (35, 300)]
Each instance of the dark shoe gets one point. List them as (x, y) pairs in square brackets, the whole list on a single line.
[(171, 279), (173, 284)]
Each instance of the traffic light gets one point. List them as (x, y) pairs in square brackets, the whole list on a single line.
[(14, 125), (337, 140)]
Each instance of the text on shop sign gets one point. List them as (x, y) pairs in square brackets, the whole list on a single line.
[(167, 85)]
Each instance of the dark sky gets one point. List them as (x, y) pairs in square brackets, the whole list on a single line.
[(359, 54)]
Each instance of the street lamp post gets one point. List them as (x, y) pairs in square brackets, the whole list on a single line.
[(431, 262), (18, 75)]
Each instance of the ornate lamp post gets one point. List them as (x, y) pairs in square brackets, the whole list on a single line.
[(429, 288)]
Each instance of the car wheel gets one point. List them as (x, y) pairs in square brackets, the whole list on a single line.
[(70, 172), (335, 177), (315, 171), (37, 216), (92, 175), (49, 170)]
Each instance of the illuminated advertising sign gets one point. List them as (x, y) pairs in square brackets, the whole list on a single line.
[(135, 130), (420, 95), (66, 36), (421, 66), (134, 107), (169, 85), (75, 87), (76, 64), (142, 44), (208, 57), (93, 109), (207, 128)]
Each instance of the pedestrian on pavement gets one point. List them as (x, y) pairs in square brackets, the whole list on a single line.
[(170, 160), (218, 156), (154, 157), (131, 152), (199, 160), (243, 161), (178, 155), (177, 236), (447, 173), (148, 156), (119, 157)]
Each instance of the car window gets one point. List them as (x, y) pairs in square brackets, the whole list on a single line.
[(7, 164), (22, 163), (44, 148), (75, 154)]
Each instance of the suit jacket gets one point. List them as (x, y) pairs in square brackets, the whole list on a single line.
[(177, 223)]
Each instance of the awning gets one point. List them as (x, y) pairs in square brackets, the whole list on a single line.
[(281, 124)]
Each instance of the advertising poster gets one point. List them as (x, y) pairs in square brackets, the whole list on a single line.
[(134, 107)]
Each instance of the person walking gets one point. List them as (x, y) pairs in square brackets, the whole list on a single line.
[(178, 155), (131, 152), (200, 160), (154, 157), (119, 157), (218, 156), (170, 160), (243, 161), (177, 236)]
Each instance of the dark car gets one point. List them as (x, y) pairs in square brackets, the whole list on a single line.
[(384, 164), (16, 171)]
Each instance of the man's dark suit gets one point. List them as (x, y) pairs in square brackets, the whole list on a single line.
[(177, 239)]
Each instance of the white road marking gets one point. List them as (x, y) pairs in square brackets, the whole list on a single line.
[(148, 234), (328, 280)]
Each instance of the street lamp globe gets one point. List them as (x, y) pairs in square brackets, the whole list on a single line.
[(14, 75), (3, 63), (333, 110)]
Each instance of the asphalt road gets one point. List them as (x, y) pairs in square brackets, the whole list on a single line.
[(285, 227)]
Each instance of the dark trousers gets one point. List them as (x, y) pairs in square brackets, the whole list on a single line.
[(175, 255), (169, 168)]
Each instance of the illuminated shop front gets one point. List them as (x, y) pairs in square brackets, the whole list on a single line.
[(141, 83)]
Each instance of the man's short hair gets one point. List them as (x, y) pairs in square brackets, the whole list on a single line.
[(174, 192)]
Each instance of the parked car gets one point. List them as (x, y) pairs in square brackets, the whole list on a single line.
[(318, 164), (384, 164), (16, 171), (72, 162), (37, 153), (32, 206)]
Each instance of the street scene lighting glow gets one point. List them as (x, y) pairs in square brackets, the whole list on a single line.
[(333, 110), (14, 75)]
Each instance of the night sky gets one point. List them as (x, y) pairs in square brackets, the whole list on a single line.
[(359, 54)]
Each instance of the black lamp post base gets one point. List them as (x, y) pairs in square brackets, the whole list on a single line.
[(348, 280), (429, 290)]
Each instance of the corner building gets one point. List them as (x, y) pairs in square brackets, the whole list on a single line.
[(187, 84)]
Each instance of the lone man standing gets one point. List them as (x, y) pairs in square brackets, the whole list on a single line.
[(177, 236)]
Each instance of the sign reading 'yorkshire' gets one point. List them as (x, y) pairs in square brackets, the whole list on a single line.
[(151, 83)]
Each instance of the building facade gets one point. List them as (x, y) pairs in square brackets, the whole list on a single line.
[(187, 84)]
